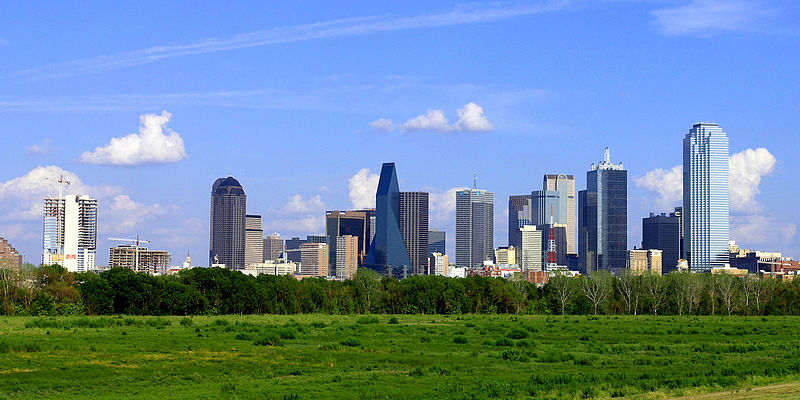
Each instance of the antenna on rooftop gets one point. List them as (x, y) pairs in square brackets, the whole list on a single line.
[(607, 157), (475, 181)]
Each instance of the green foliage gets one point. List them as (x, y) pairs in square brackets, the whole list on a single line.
[(367, 320), (393, 321), (351, 342), (460, 340)]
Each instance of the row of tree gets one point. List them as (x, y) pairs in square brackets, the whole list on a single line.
[(51, 290)]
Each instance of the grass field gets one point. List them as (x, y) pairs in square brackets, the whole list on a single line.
[(453, 357)]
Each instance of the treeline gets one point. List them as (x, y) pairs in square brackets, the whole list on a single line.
[(51, 290)]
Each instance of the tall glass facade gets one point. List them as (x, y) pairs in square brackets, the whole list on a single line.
[(706, 201), (519, 215), (228, 209), (474, 227), (387, 254)]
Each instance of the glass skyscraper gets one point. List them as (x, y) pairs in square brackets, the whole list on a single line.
[(387, 254), (706, 201), (228, 210), (662, 232), (474, 227), (519, 215), (565, 186)]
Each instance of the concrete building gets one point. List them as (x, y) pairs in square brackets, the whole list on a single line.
[(474, 227), (272, 267), (347, 256), (436, 241), (565, 186), (314, 259), (519, 215), (317, 239), (9, 256), (228, 210), (414, 229), (153, 262), (529, 255), (643, 260), (292, 249), (706, 200), (70, 232), (387, 254), (662, 232), (352, 223), (505, 256), (437, 264), (254, 240), (273, 247), (560, 242)]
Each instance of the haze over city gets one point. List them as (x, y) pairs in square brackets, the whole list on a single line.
[(302, 103)]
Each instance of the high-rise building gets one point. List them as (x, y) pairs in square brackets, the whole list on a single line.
[(9, 256), (519, 214), (70, 232), (706, 201), (505, 255), (414, 228), (603, 218), (254, 240), (474, 227), (347, 249), (228, 210), (437, 264), (317, 239), (340, 223), (293, 249), (662, 232), (643, 260), (565, 185), (314, 259), (273, 247), (436, 241), (387, 254), (559, 240), (546, 206), (529, 254), (139, 260)]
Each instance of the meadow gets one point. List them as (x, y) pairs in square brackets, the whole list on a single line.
[(316, 356)]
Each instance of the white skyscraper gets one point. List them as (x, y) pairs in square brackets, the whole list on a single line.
[(706, 200), (253, 240), (70, 232), (529, 254), (474, 227)]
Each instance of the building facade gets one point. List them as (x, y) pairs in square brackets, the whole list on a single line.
[(641, 261), (347, 249), (228, 211), (662, 232), (505, 255), (147, 261), (706, 200), (565, 186), (352, 223), (529, 254), (253, 240), (437, 242), (519, 214), (414, 228), (387, 254), (474, 227), (293, 249), (70, 232), (9, 256), (314, 259), (273, 247), (437, 264)]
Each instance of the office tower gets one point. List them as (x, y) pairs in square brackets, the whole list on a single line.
[(387, 254), (529, 254), (565, 185), (706, 202), (317, 239), (519, 214), (437, 264), (662, 232), (293, 249), (505, 255), (273, 247), (644, 260), (9, 256), (436, 242), (559, 240), (603, 217), (347, 249), (679, 213), (70, 232), (340, 223), (254, 240), (546, 206), (414, 228), (228, 210), (314, 259), (474, 227), (147, 261)]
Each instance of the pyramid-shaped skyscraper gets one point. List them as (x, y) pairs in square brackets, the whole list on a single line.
[(387, 254)]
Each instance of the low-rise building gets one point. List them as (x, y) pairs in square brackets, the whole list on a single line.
[(9, 256), (144, 260), (641, 261)]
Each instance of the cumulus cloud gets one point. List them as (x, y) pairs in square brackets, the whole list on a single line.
[(297, 205), (442, 206), (762, 230), (705, 17), (363, 186), (470, 119), (154, 144), (124, 215), (42, 148), (668, 184)]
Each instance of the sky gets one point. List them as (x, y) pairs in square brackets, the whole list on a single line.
[(144, 104)]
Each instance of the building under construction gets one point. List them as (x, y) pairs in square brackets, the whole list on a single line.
[(148, 261)]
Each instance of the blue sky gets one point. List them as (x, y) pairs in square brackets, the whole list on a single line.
[(285, 97)]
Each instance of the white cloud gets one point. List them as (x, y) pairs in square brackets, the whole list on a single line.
[(124, 215), (442, 205), (748, 230), (747, 169), (42, 148), (363, 187), (705, 17), (296, 205), (668, 184), (470, 119), (154, 144), (300, 226)]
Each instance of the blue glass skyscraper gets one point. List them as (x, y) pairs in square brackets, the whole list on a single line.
[(387, 254), (706, 201)]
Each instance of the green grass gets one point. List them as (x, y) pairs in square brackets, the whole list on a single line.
[(452, 357)]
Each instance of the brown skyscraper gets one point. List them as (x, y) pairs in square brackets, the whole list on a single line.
[(414, 228)]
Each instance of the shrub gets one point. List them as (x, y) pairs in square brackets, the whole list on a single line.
[(351, 342), (424, 339), (503, 341), (268, 340), (417, 372), (367, 320), (460, 340), (244, 336), (221, 322), (186, 321), (517, 334), (393, 321), (287, 334)]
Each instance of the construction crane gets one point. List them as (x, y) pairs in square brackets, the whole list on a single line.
[(136, 255), (61, 183)]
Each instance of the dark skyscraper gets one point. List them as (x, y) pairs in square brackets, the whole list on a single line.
[(414, 228), (341, 223), (603, 217), (662, 232), (387, 254), (436, 242), (293, 249), (228, 209), (519, 214)]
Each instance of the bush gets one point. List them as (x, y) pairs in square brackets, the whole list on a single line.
[(503, 341), (517, 334), (367, 320), (268, 340), (417, 372), (221, 322), (244, 336), (186, 321), (351, 342), (393, 321), (460, 340), (287, 334)]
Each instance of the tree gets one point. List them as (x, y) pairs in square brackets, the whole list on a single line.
[(368, 287), (630, 287), (728, 291), (679, 283), (712, 290), (520, 286), (597, 288), (694, 289), (655, 286), (563, 287)]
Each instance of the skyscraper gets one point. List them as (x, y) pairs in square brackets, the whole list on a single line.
[(662, 232), (529, 254), (346, 256), (254, 240), (603, 217), (70, 232), (706, 202), (519, 214), (314, 259), (340, 223), (414, 228), (546, 204), (474, 227), (273, 247), (387, 254), (565, 185), (436, 241), (228, 210), (293, 249)]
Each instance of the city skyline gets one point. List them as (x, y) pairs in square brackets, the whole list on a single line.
[(326, 119)]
